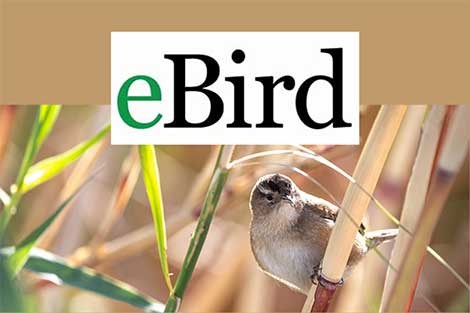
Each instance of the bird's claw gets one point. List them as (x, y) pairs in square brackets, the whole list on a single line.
[(316, 274), (315, 277)]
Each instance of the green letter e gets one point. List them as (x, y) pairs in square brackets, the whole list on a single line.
[(124, 98)]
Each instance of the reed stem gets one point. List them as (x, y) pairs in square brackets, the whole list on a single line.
[(355, 203), (415, 194), (219, 177), (450, 160)]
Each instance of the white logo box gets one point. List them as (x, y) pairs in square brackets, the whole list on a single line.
[(297, 54)]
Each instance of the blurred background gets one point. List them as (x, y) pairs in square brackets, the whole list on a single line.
[(109, 225)]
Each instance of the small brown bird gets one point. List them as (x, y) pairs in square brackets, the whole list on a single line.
[(290, 229)]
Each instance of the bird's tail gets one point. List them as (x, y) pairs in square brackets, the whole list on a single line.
[(375, 238)]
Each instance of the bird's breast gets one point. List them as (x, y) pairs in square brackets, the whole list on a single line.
[(286, 260)]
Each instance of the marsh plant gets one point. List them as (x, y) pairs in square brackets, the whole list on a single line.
[(78, 214)]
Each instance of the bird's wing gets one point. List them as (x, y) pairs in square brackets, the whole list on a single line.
[(321, 207), (325, 209)]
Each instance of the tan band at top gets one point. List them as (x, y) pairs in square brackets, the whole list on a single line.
[(59, 51)]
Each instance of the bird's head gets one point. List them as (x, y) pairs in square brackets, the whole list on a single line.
[(271, 191)]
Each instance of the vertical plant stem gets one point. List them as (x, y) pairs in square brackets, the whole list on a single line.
[(401, 158), (450, 160), (415, 194), (46, 116), (355, 202), (31, 149), (219, 177), (392, 188)]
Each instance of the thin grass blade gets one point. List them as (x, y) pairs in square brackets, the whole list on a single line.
[(55, 269), (148, 161), (50, 167), (17, 260)]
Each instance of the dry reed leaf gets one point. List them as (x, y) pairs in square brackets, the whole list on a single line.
[(123, 191)]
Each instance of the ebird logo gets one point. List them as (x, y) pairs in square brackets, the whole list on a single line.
[(235, 87)]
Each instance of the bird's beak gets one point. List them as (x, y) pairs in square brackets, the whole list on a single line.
[(289, 199)]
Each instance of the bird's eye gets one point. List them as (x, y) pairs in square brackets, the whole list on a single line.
[(269, 197)]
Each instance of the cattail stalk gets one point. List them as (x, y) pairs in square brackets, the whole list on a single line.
[(355, 202), (450, 160), (415, 194)]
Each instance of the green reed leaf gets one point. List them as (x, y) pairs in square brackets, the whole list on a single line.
[(50, 167), (48, 114), (42, 126), (56, 269), (151, 176)]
